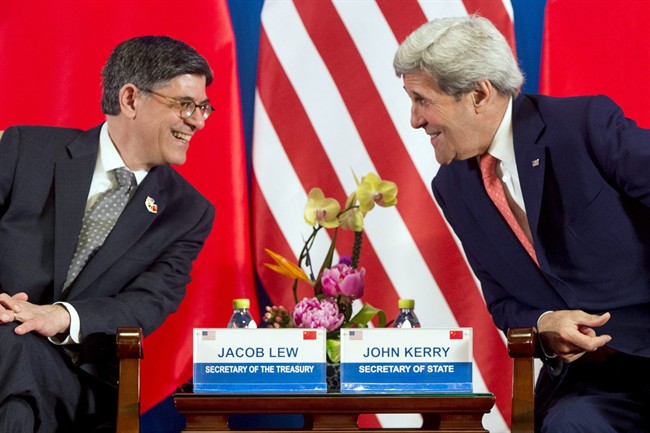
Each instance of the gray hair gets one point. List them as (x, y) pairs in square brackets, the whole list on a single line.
[(148, 62), (458, 52)]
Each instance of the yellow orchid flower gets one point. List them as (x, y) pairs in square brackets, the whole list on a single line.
[(285, 267), (352, 219), (372, 190), (321, 210)]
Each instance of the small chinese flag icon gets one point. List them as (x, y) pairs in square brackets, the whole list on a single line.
[(308, 335), (455, 335)]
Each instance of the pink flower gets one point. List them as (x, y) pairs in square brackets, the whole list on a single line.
[(312, 313), (344, 280)]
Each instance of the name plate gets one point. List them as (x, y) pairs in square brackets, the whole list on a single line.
[(417, 360), (263, 360)]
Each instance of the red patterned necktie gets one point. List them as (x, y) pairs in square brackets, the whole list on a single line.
[(494, 188)]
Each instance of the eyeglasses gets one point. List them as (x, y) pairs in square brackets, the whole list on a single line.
[(187, 107)]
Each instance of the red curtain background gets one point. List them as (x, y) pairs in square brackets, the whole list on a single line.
[(599, 47)]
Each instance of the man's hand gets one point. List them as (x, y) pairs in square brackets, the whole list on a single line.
[(47, 320), (570, 333), (7, 304)]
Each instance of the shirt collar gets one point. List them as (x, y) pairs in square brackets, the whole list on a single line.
[(109, 158), (502, 146)]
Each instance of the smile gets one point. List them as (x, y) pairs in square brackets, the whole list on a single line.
[(181, 136)]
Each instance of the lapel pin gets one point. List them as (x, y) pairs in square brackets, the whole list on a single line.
[(151, 205), (535, 162)]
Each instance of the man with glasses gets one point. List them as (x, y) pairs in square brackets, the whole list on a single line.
[(97, 231)]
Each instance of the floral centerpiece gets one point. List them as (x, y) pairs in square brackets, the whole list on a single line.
[(335, 286)]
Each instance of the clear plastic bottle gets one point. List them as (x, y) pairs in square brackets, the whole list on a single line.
[(241, 317), (406, 317)]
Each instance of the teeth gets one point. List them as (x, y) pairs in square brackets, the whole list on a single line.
[(181, 136)]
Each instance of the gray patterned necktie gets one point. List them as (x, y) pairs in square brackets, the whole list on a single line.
[(99, 221)]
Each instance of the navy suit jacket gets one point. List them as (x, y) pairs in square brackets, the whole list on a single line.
[(585, 177), (138, 276)]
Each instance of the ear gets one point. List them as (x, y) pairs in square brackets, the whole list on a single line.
[(128, 100), (481, 95)]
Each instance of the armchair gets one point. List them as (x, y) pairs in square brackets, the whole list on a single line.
[(129, 352), (521, 347)]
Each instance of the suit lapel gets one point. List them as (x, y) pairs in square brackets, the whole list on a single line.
[(133, 222), (530, 155), (73, 175), (483, 209)]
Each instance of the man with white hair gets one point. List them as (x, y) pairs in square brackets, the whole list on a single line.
[(550, 198)]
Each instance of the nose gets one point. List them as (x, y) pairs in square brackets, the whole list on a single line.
[(417, 120), (196, 119)]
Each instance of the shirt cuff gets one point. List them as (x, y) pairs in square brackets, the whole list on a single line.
[(546, 354), (74, 333)]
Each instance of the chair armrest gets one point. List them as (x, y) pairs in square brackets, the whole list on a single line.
[(521, 347), (129, 352)]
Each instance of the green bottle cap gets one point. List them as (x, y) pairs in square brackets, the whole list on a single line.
[(406, 303), (241, 303)]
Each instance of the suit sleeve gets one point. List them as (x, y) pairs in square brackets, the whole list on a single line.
[(157, 290), (8, 158), (621, 147)]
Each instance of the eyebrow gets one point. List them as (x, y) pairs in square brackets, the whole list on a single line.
[(190, 99), (413, 93)]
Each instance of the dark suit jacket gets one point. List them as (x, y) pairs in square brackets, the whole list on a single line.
[(585, 176), (138, 276)]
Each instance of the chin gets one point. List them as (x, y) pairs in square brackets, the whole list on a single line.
[(176, 159), (443, 159)]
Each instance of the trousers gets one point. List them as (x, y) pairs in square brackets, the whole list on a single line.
[(41, 390), (601, 392)]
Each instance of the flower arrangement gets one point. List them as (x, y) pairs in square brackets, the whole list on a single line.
[(335, 287)]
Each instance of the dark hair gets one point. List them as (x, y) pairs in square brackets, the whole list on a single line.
[(148, 62)]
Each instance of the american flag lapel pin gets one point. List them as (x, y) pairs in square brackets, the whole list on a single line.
[(535, 162), (151, 205)]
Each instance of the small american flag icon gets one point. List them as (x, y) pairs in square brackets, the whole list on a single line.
[(208, 335), (356, 335)]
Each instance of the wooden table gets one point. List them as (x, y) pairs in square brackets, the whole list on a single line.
[(331, 413)]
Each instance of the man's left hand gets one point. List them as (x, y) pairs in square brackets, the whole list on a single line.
[(47, 320)]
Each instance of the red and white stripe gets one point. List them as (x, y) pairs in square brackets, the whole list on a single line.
[(328, 103)]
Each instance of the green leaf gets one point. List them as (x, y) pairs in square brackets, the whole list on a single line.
[(294, 289), (334, 350), (365, 315), (327, 263)]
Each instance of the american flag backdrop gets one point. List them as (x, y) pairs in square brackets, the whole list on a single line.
[(329, 104)]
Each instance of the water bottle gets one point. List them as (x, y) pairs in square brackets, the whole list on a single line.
[(406, 317), (241, 317)]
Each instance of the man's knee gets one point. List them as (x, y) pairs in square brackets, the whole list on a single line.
[(577, 415)]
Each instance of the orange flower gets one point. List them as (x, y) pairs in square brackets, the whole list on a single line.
[(285, 267)]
